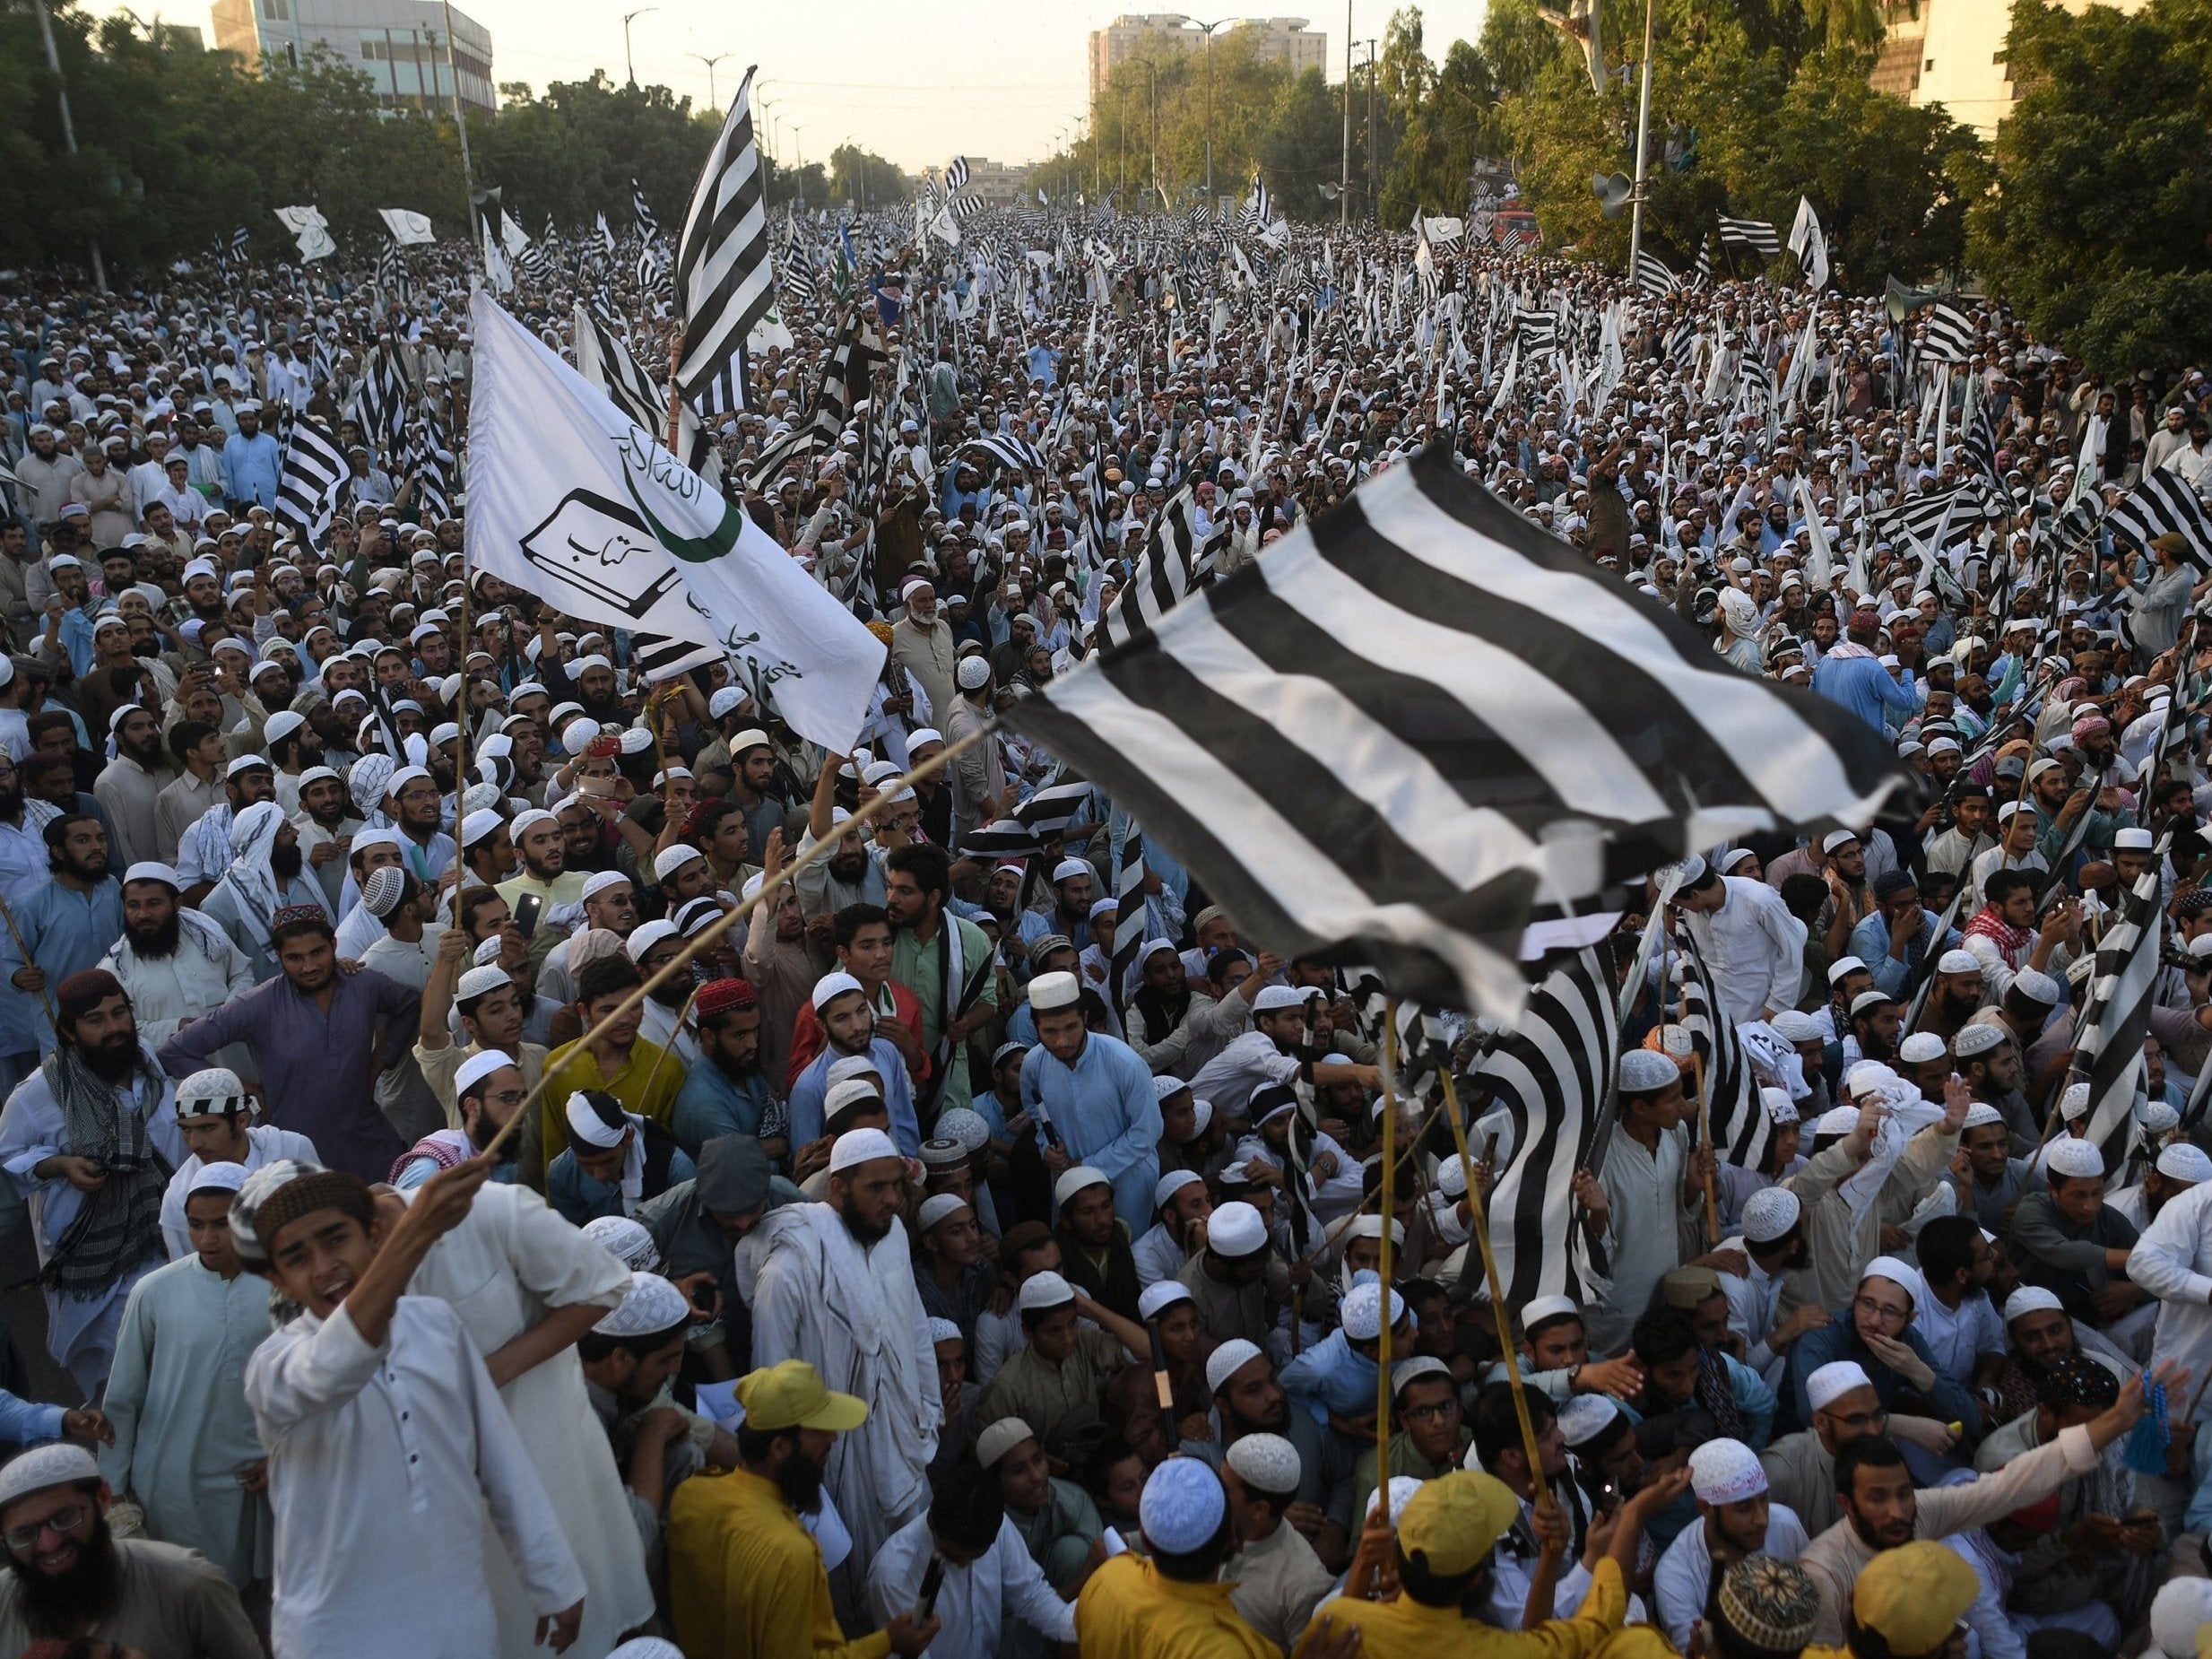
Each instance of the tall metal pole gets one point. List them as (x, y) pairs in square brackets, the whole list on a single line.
[(710, 63), (460, 126), (1344, 173), (628, 67), (1209, 29), (69, 127), (1644, 143), (1375, 202)]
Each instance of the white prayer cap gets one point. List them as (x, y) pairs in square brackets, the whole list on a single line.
[(844, 1096), (1958, 962), (1867, 1001), (999, 1438), (596, 1120), (60, 1463), (577, 734), (1412, 1370), (400, 779), (2131, 840), (245, 763), (1043, 1291), (2036, 987), (1975, 1039), (1769, 1214), (1585, 1417), (625, 1240), (525, 823), (151, 870), (966, 1125), (851, 1066), (1276, 997), (1400, 1493), (1919, 1049), (481, 981), (650, 1304), (1645, 1071), (1780, 1108), (861, 1146), (1980, 1115), (1726, 1472), (1159, 1297), (1268, 1462), (647, 1647), (2157, 1118), (1838, 839), (941, 1329), (1793, 1027), (223, 1178), (1224, 1361), (1236, 1229), (1049, 992), (938, 1206), (476, 826), (2180, 1610), (2031, 1299), (282, 724), (1845, 965), (972, 672), (1169, 1185), (1542, 1309), (1183, 1506), (216, 1089), (671, 859), (2182, 1161), (1902, 1275), (1832, 1381), (482, 1063), (1361, 1313), (832, 985), (2076, 1159), (602, 880), (647, 936), (1068, 869), (1074, 1180), (1692, 870), (1836, 1120), (1366, 1224)]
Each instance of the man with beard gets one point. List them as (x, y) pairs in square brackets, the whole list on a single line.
[(852, 875), (89, 1139), (327, 822), (725, 1091), (215, 1115), (59, 929), (489, 1090), (488, 855), (1953, 999), (921, 644), (131, 783), (1175, 1029), (493, 1010), (2004, 937), (412, 801), (945, 960), (264, 877), (835, 1289), (204, 852), (69, 1577), (175, 964), (293, 749), (542, 848), (1773, 1246), (316, 1041), (1248, 1399), (848, 1024), (1737, 1518), (1882, 1511), (746, 1579)]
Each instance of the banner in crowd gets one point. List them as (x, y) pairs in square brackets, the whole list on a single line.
[(409, 229), (312, 229), (574, 503)]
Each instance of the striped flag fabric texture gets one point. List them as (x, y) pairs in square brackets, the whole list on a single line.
[(1754, 235), (1950, 337), (608, 363), (648, 227), (1175, 564), (844, 382), (1419, 716), (725, 280), (2115, 1016), (2164, 504), (1007, 449), (956, 176), (1550, 1073), (1653, 276), (1738, 1118), (306, 491)]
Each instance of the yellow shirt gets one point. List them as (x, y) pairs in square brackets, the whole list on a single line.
[(745, 1579), (565, 889), (1129, 1609), (644, 1087), (1405, 1629)]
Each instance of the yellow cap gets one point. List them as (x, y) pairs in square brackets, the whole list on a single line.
[(1913, 1596), (792, 1395), (1452, 1521)]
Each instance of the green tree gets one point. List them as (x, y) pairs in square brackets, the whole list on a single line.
[(866, 178), (1459, 120), (2097, 232)]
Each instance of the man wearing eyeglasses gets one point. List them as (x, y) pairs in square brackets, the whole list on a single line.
[(1800, 1468), (68, 1577), (1875, 1331)]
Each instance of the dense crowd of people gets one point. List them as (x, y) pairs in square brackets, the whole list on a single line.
[(438, 1275)]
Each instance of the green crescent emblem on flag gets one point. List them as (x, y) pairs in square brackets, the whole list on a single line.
[(651, 467)]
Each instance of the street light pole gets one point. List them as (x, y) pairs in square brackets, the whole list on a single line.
[(628, 65), (460, 126), (69, 127), (710, 63), (1643, 145), (1209, 29), (1344, 173)]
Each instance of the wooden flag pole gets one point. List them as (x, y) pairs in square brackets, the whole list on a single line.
[(1389, 1214), (24, 950), (714, 930), (1479, 1228), (466, 715), (1705, 1140), (675, 393), (675, 1032)]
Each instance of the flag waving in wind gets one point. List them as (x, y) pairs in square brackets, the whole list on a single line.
[(571, 500)]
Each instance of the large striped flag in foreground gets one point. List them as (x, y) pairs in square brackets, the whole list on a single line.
[(1406, 725)]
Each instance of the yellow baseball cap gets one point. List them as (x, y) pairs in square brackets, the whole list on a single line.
[(1913, 1596), (1452, 1521), (792, 1395)]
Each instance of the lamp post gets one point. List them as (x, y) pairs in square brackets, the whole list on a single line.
[(628, 65), (1643, 145), (710, 63), (69, 127), (1344, 174), (1208, 29), (460, 126)]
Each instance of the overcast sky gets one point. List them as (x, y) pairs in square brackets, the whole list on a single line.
[(917, 82)]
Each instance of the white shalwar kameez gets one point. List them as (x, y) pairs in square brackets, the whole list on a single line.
[(507, 1266), (263, 1142), (381, 1463), (2172, 1260)]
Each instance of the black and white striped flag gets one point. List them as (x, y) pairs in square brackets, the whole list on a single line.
[(1007, 449), (648, 227), (1950, 337), (1418, 715), (2115, 1016), (956, 176), (1550, 1073), (798, 269), (1754, 235), (1175, 563), (602, 358), (379, 405), (725, 280), (1259, 210), (846, 379), (392, 274), (1129, 914), (2165, 504), (1653, 276), (307, 492), (1740, 1126), (238, 238), (1705, 260), (966, 207)]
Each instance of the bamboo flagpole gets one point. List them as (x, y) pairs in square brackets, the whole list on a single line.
[(714, 930), (24, 950), (1705, 1140), (1389, 1210), (1479, 1228)]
